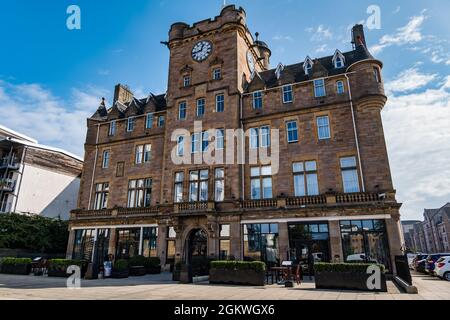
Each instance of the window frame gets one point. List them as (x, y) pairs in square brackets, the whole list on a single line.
[(318, 87), (161, 121), (202, 105), (353, 168), (112, 128), (305, 173), (261, 177), (149, 121), (288, 92), (106, 159), (178, 184), (199, 183), (340, 88), (182, 110), (257, 99), (139, 192), (220, 103), (320, 126), (288, 130), (219, 179), (187, 81), (217, 71), (101, 196), (131, 124)]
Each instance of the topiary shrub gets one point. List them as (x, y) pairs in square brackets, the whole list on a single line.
[(121, 265), (137, 261), (345, 267), (257, 266), (58, 267), (11, 265)]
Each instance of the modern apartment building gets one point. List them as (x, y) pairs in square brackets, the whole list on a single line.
[(36, 179), (149, 186)]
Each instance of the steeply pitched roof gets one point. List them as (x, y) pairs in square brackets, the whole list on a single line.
[(131, 108), (296, 73)]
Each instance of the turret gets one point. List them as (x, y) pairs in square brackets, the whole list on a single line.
[(264, 52)]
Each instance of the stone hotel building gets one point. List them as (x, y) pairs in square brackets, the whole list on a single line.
[(330, 197)]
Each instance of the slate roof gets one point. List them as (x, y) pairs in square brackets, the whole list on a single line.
[(295, 72), (157, 101)]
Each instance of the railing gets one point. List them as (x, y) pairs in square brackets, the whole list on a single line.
[(306, 201), (92, 213), (263, 203), (7, 185), (358, 197), (137, 211), (191, 206), (210, 206), (10, 163)]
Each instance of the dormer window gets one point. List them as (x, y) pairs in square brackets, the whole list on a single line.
[(308, 65), (279, 70), (186, 81), (338, 60)]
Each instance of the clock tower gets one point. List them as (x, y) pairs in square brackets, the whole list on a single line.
[(210, 63)]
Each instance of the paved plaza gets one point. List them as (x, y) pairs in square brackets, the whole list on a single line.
[(161, 287)]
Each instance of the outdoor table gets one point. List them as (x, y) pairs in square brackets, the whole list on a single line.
[(284, 270)]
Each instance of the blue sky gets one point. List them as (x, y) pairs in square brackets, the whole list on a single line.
[(52, 78)]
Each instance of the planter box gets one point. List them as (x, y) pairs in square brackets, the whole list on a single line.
[(138, 271), (19, 269), (120, 274), (153, 270), (58, 273), (238, 276), (346, 281)]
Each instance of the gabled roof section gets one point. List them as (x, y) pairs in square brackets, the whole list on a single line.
[(257, 82), (296, 72), (102, 112), (338, 54)]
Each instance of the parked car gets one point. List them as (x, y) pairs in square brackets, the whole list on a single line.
[(360, 257), (411, 257), (442, 268), (431, 260), (419, 262)]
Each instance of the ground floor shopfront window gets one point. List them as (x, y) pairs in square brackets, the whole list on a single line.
[(86, 239), (309, 243), (365, 241), (261, 243), (130, 242)]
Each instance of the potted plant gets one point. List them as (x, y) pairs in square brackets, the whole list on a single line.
[(58, 267), (20, 266), (238, 272), (120, 269), (137, 266), (348, 276), (153, 265)]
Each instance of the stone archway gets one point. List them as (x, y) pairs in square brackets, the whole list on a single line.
[(197, 251)]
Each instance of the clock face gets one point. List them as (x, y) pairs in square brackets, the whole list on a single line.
[(250, 61), (201, 50)]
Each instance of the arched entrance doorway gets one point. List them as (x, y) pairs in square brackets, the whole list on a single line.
[(197, 252)]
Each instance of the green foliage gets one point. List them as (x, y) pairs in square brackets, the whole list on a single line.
[(62, 264), (141, 261), (121, 265), (34, 233), (15, 261), (137, 261), (345, 267), (152, 262), (257, 266)]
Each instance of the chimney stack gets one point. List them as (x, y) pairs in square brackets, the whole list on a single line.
[(358, 37), (122, 93)]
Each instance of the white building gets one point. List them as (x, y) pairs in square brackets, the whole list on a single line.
[(37, 179)]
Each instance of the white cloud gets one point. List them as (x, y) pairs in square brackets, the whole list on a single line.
[(409, 80), (418, 134), (322, 48), (408, 34), (321, 33), (282, 38), (33, 110)]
